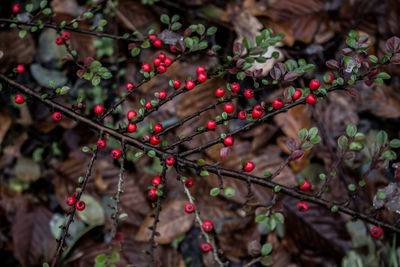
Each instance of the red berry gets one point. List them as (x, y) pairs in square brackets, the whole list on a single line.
[(98, 109), (257, 111), (156, 181), (177, 84), (376, 232), (155, 140), (189, 208), (249, 93), (189, 183), (277, 104), (16, 8), (158, 128), (228, 141), (153, 36), (157, 43), (248, 166), (148, 105), (101, 143), (314, 84), (70, 201), (207, 226), (173, 49), (19, 99), (59, 40), (242, 115), (311, 99), (131, 114), (219, 92), (235, 87), (189, 85), (20, 69), (80, 205), (156, 61), (57, 116), (302, 206), (229, 108), (161, 68), (202, 77), (205, 247), (168, 62), (130, 86), (211, 125), (146, 67), (131, 127), (66, 36), (162, 95), (330, 79), (162, 56), (152, 194), (200, 70), (305, 186), (116, 154), (170, 161), (297, 94)]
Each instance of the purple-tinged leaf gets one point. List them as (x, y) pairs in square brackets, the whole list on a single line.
[(275, 73), (296, 155), (224, 153), (393, 44), (291, 76), (332, 64)]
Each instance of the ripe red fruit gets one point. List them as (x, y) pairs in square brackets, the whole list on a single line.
[(156, 62), (302, 206), (148, 105), (131, 114), (173, 49), (130, 86), (189, 85), (228, 141), (189, 208), (156, 181), (116, 154), (330, 79), (19, 99), (297, 94), (146, 67), (101, 143), (205, 247), (211, 125), (257, 111), (168, 62), (229, 108), (189, 183), (314, 84), (277, 104), (161, 68), (202, 77), (158, 128), (249, 93), (16, 8), (162, 95), (170, 161), (157, 43), (305, 186), (20, 69), (200, 70), (248, 166), (80, 205), (235, 87), (59, 40), (155, 140), (242, 115), (153, 36), (207, 226), (98, 109), (57, 116), (131, 127), (219, 92), (311, 99), (177, 84), (162, 56), (376, 232), (70, 201), (66, 36), (152, 194)]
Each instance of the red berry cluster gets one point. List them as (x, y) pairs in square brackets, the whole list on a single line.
[(65, 36), (152, 193), (71, 201)]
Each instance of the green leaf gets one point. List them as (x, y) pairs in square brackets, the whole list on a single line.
[(267, 174), (212, 30), (357, 146), (271, 223), (96, 80), (353, 34), (164, 18), (277, 188), (351, 130), (46, 11), (224, 115), (381, 195), (389, 154), (200, 161), (214, 192), (315, 139), (373, 59), (382, 138), (43, 3), (351, 42), (266, 261), (260, 217), (247, 43), (394, 143), (352, 187), (303, 134), (85, 149), (176, 26), (334, 208), (383, 75), (45, 264), (145, 44), (29, 7), (200, 29), (378, 81), (135, 51), (229, 191), (88, 15), (306, 145), (151, 153), (313, 132), (266, 249), (342, 142), (22, 33), (279, 217), (340, 81), (101, 258), (175, 18), (275, 54), (204, 173)]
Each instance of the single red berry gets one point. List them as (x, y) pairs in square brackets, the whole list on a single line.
[(101, 143), (257, 111), (235, 87), (189, 85), (314, 84), (152, 194), (202, 77), (131, 114), (189, 208), (249, 93), (16, 8), (158, 128), (277, 104), (205, 247), (20, 69), (162, 95), (177, 84), (170, 161), (116, 154), (229, 108), (131, 127), (297, 94), (80, 205), (162, 56), (330, 79), (302, 206), (157, 43), (98, 109), (156, 61), (228, 141), (200, 70), (207, 226), (57, 116), (148, 105), (311, 99), (305, 186), (376, 232), (211, 125), (129, 86), (219, 92), (155, 140), (248, 166), (156, 181), (19, 99), (66, 36), (173, 49), (189, 183), (168, 62), (146, 67), (242, 115), (70, 201), (59, 40), (161, 68), (153, 36)]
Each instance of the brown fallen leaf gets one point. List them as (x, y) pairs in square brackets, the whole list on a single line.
[(5, 123)]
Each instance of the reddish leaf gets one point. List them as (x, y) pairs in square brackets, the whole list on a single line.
[(275, 73), (224, 153), (291, 76), (281, 66), (240, 63), (257, 73), (393, 44), (238, 47), (89, 60), (332, 64), (298, 154)]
